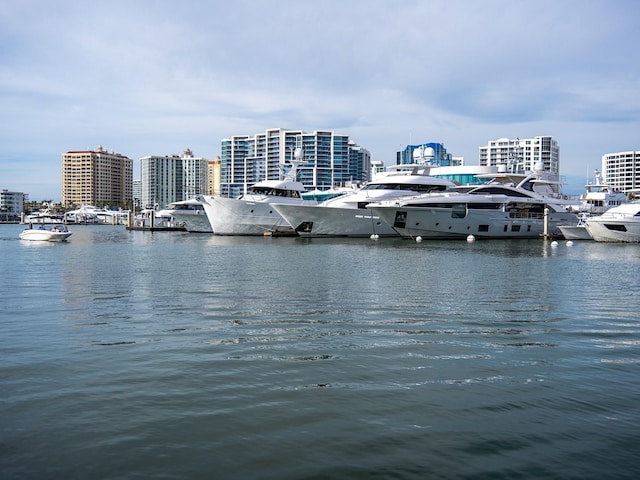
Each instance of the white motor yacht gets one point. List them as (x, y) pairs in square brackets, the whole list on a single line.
[(89, 214), (501, 208), (618, 224), (189, 213), (43, 217), (253, 213), (600, 197), (347, 215)]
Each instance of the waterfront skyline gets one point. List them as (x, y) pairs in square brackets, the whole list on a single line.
[(153, 78)]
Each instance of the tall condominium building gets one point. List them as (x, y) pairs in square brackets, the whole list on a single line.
[(213, 177), (171, 178), (195, 175), (96, 177), (11, 205), (622, 171), (522, 154), (323, 159), (137, 193)]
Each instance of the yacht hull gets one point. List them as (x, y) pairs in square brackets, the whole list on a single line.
[(233, 216), (194, 222), (319, 221), (575, 232), (440, 223), (614, 231)]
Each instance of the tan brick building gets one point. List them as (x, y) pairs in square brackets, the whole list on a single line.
[(99, 178)]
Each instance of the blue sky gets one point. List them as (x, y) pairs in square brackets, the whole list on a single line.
[(155, 77)]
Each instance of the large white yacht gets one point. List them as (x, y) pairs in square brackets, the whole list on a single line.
[(89, 214), (600, 197), (618, 224), (189, 213), (252, 213), (347, 215), (43, 217), (511, 205)]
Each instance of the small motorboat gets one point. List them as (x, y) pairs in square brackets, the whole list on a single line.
[(618, 224), (58, 233)]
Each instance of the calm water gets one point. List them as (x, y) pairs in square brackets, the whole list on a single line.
[(131, 355)]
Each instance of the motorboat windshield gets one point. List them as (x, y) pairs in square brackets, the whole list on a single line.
[(273, 191)]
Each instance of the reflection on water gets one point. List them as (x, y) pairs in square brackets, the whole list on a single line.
[(132, 354)]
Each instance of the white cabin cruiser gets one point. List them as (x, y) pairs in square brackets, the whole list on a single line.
[(618, 224), (189, 213), (53, 234), (600, 197), (347, 215), (501, 208), (253, 213)]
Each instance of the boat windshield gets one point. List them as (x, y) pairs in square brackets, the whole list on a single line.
[(274, 192), (497, 190), (414, 187)]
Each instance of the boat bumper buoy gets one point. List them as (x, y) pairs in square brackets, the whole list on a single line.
[(471, 239), (569, 243), (418, 239), (554, 244)]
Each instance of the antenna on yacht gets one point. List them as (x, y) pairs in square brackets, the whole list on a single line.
[(292, 174)]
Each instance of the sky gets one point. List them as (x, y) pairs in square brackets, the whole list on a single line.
[(143, 77)]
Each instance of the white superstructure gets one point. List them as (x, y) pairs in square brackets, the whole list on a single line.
[(189, 213), (599, 197), (347, 215)]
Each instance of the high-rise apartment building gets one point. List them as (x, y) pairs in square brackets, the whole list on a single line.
[(323, 159), (161, 178), (172, 178), (11, 205), (195, 175), (96, 177), (137, 194), (523, 154), (621, 171), (213, 177)]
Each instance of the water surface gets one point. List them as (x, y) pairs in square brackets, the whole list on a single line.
[(176, 355)]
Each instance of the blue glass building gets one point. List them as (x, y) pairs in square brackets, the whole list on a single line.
[(324, 159)]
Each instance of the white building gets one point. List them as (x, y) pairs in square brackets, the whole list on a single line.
[(523, 154), (137, 193), (171, 178), (621, 171), (195, 175), (11, 205)]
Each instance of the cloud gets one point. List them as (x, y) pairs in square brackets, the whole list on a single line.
[(153, 77)]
